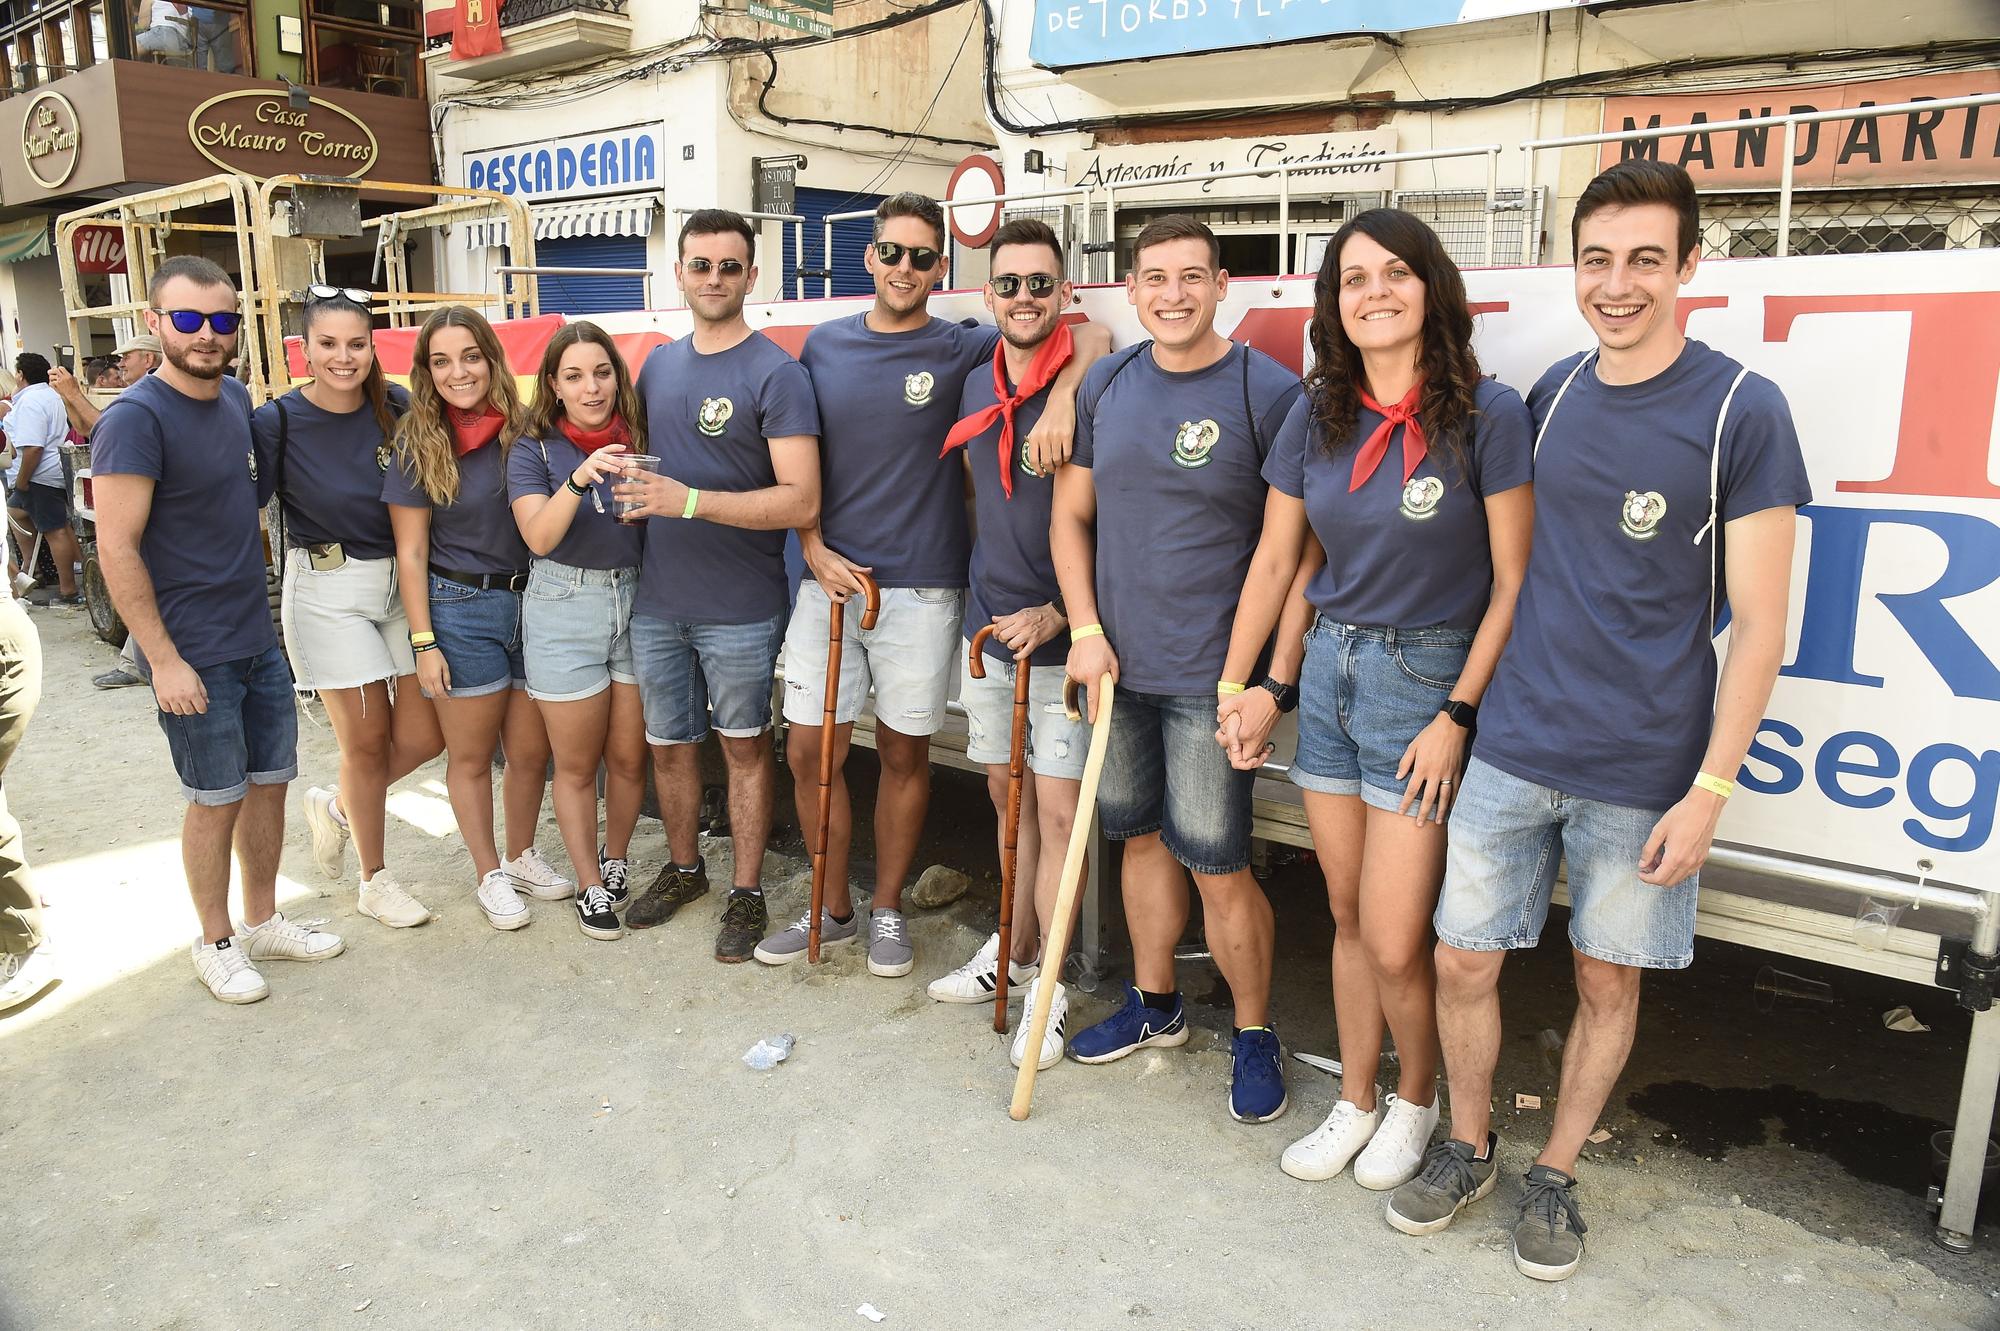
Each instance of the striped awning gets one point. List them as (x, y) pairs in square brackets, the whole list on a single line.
[(25, 239), (613, 215)]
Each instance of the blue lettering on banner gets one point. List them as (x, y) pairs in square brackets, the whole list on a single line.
[(568, 166), (1859, 769)]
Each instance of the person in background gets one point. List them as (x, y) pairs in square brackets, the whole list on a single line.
[(37, 427), (27, 967), (135, 358)]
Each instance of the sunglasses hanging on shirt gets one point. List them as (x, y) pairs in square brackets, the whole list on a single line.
[(1039, 284), (922, 257), (188, 322)]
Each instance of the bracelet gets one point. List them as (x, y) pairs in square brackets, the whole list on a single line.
[(1224, 688), (694, 497), (424, 647), (1714, 785), (578, 490), (1082, 631), (422, 639)]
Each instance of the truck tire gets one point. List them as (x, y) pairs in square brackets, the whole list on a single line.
[(104, 618)]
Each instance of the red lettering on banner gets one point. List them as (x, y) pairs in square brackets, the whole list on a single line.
[(1687, 305), (1278, 333), (792, 337), (1479, 307), (1946, 425)]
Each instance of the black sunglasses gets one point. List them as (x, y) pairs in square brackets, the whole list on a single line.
[(922, 257), (1039, 284), (224, 322), (321, 291), (727, 267)]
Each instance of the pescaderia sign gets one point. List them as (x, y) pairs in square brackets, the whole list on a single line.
[(1325, 164), (607, 161), (248, 131)]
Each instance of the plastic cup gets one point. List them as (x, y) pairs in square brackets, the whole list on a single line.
[(1773, 985), (635, 464)]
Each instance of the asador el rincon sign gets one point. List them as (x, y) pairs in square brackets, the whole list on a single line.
[(258, 133), (51, 139)]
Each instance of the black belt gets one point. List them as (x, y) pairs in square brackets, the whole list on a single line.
[(486, 582)]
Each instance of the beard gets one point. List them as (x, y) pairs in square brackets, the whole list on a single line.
[(182, 359)]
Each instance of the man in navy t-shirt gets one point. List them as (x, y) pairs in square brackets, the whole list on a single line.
[(178, 491), (732, 418), (888, 383), (1153, 528), (1667, 483)]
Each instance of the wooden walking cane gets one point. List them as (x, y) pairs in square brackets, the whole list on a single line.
[(1017, 773), (871, 606), (1072, 883)]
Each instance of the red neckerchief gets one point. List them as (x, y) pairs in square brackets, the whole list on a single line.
[(472, 430), (1371, 453), (1050, 357), (612, 431)]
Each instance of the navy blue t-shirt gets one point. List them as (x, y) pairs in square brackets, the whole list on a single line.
[(1405, 555), (886, 402), (710, 420), (332, 472), (203, 547), (475, 533), (594, 539), (1011, 565), (1607, 687), (1180, 504)]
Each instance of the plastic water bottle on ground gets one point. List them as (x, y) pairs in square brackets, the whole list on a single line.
[(769, 1052)]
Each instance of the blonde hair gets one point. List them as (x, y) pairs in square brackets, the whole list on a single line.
[(546, 413), (423, 437)]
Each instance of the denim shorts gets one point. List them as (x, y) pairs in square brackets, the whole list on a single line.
[(1364, 695), (576, 630), (1056, 745), (47, 506), (479, 631), (344, 627), (907, 658), (1164, 772), (248, 736), (1508, 835), (693, 674)]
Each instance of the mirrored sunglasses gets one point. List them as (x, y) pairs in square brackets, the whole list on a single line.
[(187, 322), (922, 257), (321, 291), (1005, 285)]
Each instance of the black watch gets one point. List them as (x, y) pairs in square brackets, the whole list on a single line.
[(1286, 694), (1463, 714)]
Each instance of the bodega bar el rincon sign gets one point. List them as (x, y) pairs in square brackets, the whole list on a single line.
[(257, 132)]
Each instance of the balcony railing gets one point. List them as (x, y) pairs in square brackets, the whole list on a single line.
[(516, 12), (539, 34)]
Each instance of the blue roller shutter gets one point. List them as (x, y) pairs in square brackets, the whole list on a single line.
[(591, 295), (850, 278)]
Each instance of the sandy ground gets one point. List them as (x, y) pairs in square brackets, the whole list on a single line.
[(416, 1134)]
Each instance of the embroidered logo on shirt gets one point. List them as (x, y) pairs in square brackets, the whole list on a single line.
[(383, 452), (715, 413), (1027, 462), (252, 455), (1421, 498), (1639, 516), (917, 388), (1193, 441)]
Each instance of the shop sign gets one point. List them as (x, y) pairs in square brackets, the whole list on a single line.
[(1328, 164), (51, 139), (258, 133), (1919, 147), (607, 162), (98, 249)]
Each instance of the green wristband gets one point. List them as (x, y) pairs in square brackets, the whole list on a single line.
[(694, 497)]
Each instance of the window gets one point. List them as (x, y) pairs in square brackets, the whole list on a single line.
[(213, 36), (367, 45)]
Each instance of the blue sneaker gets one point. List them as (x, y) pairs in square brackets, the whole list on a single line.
[(1134, 1026), (1257, 1086)]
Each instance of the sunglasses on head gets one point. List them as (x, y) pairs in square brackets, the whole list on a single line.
[(321, 291), (727, 267), (922, 257), (189, 322), (1007, 284)]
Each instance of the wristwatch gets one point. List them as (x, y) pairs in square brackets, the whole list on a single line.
[(1286, 694), (1463, 714)]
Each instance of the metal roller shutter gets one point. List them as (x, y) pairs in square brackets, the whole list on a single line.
[(850, 278), (591, 295)]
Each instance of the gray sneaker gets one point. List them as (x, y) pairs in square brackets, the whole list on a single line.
[(1548, 1238), (788, 945), (1452, 1179), (889, 950)]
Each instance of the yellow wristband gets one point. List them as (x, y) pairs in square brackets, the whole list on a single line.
[(1224, 687), (694, 497), (1082, 631), (1714, 785), (419, 639)]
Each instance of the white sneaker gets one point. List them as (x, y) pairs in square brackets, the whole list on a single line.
[(1325, 1151), (1395, 1155), (383, 898), (228, 973), (503, 906), (329, 834), (278, 939), (537, 877), (1052, 1035), (23, 975), (975, 981)]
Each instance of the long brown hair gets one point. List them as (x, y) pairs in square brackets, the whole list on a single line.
[(375, 385), (545, 415), (423, 436), (1445, 360)]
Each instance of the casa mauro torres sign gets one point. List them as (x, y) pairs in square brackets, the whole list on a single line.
[(259, 133), (51, 139)]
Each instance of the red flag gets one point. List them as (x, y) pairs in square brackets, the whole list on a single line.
[(475, 29)]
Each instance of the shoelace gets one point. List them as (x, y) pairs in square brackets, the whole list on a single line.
[(1449, 1172), (497, 890), (614, 875), (281, 927), (741, 911), (232, 961), (1252, 1063), (596, 900), (987, 958), (1343, 1114), (890, 927), (1548, 1200)]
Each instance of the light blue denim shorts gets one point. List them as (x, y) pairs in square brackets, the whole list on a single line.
[(1364, 694), (1056, 745), (907, 658), (1164, 772), (576, 630), (1507, 837), (692, 675)]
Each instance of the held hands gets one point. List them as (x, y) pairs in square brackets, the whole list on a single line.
[(1089, 661), (656, 495), (1679, 843), (1026, 630), (1050, 441), (834, 573), (606, 461), (1243, 724), (178, 689), (433, 675), (1432, 765)]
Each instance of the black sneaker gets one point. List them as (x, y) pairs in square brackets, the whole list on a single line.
[(673, 889), (1452, 1179), (595, 914), (744, 920), (614, 873), (1548, 1237)]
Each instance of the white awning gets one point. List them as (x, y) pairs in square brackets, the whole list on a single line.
[(613, 215)]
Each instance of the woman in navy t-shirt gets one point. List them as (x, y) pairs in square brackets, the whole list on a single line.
[(576, 616), (1409, 475), (326, 446), (461, 567)]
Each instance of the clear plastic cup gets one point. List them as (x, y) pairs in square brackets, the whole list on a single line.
[(635, 464)]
